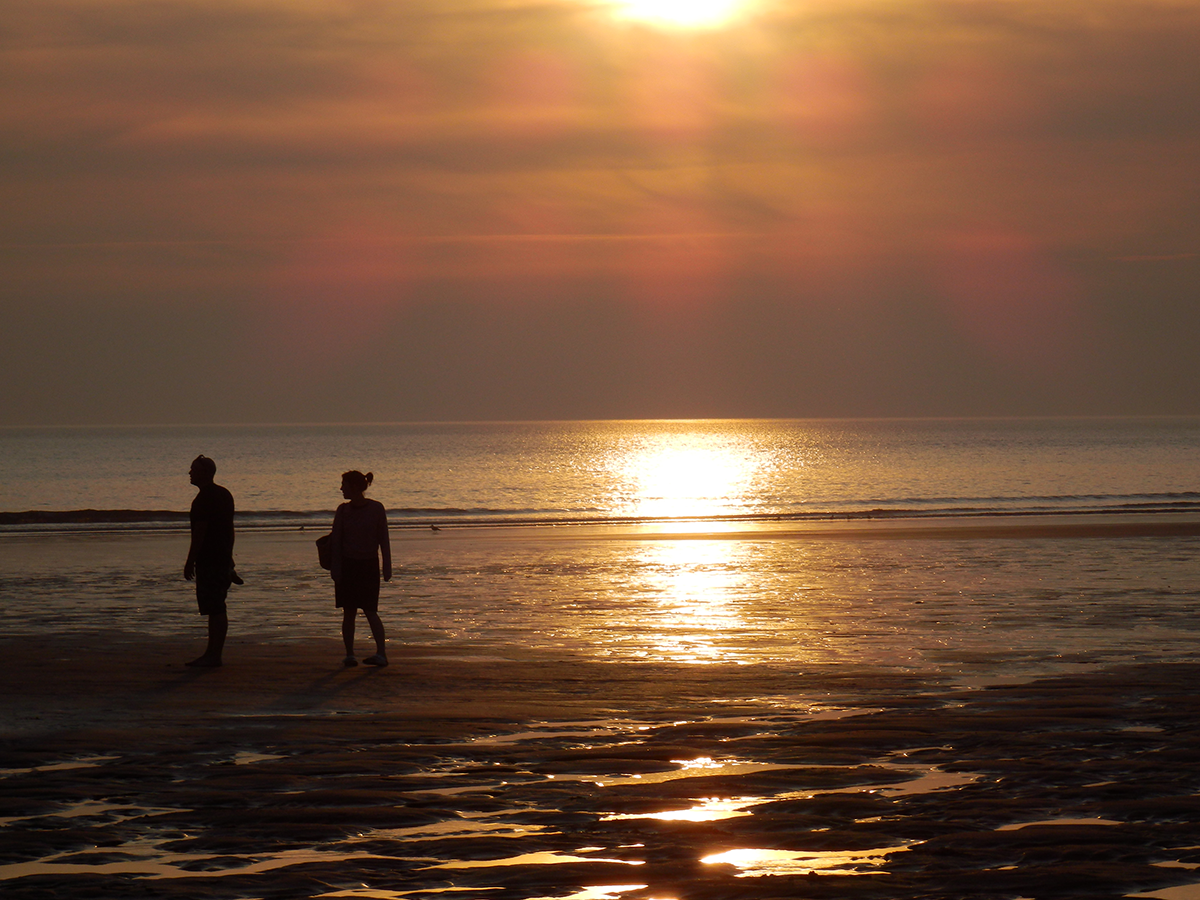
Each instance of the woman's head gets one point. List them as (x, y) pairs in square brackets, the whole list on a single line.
[(355, 481)]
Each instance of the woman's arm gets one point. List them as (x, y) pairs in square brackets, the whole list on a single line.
[(385, 544), (335, 547)]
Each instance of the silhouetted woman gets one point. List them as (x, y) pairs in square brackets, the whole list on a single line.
[(360, 535)]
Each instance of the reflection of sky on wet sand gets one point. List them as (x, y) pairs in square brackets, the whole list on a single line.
[(149, 857), (444, 846)]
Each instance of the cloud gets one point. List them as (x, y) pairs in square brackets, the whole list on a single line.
[(916, 196)]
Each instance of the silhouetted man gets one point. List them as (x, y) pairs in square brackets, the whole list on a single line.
[(210, 556)]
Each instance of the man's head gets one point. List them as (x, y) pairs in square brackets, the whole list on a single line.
[(203, 470)]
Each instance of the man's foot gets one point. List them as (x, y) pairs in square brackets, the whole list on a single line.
[(349, 661), (204, 662), (377, 660)]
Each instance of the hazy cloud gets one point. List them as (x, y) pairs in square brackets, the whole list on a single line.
[(492, 209)]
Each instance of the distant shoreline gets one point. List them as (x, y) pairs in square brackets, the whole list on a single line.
[(894, 524)]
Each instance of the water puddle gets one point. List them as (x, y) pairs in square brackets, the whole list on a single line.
[(110, 813), (796, 710), (82, 762), (542, 858), (930, 780), (586, 729), (469, 825), (754, 863), (147, 860), (520, 803), (710, 809), (1061, 822), (250, 758), (701, 767), (1179, 892), (374, 894), (598, 892)]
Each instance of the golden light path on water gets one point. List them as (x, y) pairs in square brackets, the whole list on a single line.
[(691, 582), (688, 474)]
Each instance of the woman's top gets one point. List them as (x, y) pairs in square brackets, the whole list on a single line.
[(358, 531)]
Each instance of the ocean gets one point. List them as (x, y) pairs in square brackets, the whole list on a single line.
[(692, 541), (596, 472)]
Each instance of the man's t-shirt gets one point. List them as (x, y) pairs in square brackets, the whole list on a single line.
[(213, 506)]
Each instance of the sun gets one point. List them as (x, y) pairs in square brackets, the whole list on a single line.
[(679, 13)]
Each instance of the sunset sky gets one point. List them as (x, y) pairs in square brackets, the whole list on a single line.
[(384, 210)]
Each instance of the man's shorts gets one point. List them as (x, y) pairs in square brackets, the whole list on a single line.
[(212, 585)]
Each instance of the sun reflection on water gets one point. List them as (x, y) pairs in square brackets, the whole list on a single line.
[(709, 809), (758, 862), (600, 892), (692, 612), (687, 474)]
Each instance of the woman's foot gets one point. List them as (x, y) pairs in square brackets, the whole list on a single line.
[(208, 662), (377, 660), (349, 661)]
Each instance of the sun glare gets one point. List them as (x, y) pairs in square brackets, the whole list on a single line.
[(679, 479), (679, 13)]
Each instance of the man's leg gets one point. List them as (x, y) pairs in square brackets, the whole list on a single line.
[(218, 627), (212, 603)]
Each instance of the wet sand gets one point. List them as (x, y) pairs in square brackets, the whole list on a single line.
[(128, 775)]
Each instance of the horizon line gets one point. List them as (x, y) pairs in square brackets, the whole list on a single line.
[(593, 420)]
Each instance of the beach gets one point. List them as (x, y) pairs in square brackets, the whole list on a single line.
[(128, 775), (725, 660)]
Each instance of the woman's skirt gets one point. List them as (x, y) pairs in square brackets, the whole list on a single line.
[(359, 585)]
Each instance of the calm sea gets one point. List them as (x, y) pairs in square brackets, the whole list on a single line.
[(601, 471), (638, 541)]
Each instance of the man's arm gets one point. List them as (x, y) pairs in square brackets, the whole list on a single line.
[(199, 529)]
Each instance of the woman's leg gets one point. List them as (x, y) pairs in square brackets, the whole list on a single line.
[(376, 624), (348, 614)]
